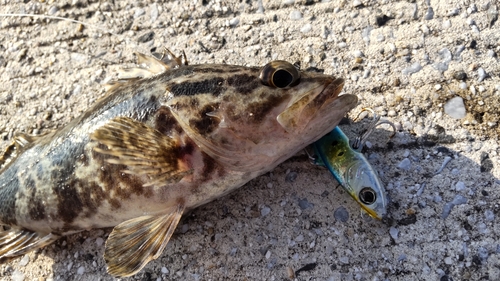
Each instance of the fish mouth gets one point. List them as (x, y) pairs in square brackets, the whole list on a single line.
[(306, 108)]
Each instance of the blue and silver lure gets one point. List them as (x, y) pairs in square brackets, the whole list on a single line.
[(352, 170)]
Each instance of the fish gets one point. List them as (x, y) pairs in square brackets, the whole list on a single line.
[(352, 171), (166, 138)]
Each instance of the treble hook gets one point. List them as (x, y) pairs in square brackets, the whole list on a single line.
[(360, 141)]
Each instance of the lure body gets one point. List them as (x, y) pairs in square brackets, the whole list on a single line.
[(353, 172)]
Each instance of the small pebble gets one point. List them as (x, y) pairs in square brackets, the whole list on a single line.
[(99, 241), (455, 108), (405, 164), (458, 52), (341, 214), (483, 253), (366, 73), (459, 200), (164, 270), (24, 261), (234, 21), (306, 28), (356, 3), (358, 54), (77, 89), (482, 74), (421, 189), (492, 15), (80, 270), (295, 15), (366, 34), (447, 210), (472, 8), (446, 24), (489, 215), (17, 275), (453, 12), (139, 12), (491, 54), (482, 228), (459, 75), (437, 87), (394, 233), (288, 2), (429, 14), (414, 68), (291, 176), (460, 186), (446, 160), (445, 56), (153, 12), (472, 90), (53, 10), (344, 260), (304, 204), (265, 211), (448, 260)]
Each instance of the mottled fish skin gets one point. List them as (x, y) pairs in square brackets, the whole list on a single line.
[(162, 144)]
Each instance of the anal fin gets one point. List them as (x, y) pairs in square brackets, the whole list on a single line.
[(15, 242), (133, 243)]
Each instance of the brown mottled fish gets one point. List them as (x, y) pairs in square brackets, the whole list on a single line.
[(167, 138)]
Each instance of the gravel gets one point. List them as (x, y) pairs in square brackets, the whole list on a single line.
[(441, 226)]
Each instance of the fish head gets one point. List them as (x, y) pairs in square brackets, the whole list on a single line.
[(364, 185), (252, 119)]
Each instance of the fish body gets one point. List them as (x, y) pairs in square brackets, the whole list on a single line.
[(353, 172), (165, 139)]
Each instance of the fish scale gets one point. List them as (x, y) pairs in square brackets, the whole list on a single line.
[(166, 138)]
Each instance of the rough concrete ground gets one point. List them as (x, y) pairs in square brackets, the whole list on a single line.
[(281, 226)]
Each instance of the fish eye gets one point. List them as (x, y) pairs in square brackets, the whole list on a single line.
[(279, 74), (367, 196)]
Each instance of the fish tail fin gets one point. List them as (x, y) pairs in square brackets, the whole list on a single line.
[(15, 242)]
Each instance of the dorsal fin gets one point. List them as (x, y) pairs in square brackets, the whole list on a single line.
[(19, 143), (147, 66)]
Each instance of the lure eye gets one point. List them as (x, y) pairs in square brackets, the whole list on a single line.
[(279, 74), (367, 196)]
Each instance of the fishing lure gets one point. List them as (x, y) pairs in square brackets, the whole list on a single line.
[(351, 168)]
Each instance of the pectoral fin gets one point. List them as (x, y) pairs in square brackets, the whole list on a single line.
[(144, 150), (15, 242), (133, 243)]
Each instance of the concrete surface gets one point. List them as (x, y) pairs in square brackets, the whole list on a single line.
[(281, 226)]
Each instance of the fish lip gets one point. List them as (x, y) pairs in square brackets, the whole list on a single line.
[(334, 84), (331, 90)]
